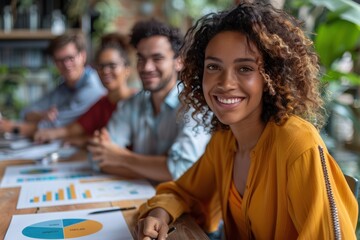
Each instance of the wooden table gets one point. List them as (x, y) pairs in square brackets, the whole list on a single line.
[(186, 227)]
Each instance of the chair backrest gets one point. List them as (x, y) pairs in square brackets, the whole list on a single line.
[(353, 183)]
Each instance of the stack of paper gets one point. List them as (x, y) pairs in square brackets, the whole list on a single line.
[(14, 142)]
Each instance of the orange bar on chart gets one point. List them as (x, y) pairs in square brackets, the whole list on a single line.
[(88, 194), (36, 199), (72, 191), (61, 194), (48, 196)]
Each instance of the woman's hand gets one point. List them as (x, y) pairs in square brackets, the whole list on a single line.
[(151, 228), (51, 114), (6, 125), (154, 226)]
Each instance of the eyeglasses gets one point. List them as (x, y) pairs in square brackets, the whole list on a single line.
[(111, 65), (67, 59)]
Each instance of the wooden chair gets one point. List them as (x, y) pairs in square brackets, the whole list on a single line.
[(353, 183)]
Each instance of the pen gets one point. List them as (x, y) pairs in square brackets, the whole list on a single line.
[(171, 230), (113, 210)]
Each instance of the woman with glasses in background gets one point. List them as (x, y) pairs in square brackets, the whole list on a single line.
[(113, 66)]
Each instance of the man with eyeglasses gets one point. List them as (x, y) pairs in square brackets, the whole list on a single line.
[(147, 137), (79, 88), (113, 65)]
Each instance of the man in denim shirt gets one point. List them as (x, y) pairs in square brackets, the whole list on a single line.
[(79, 88), (146, 136)]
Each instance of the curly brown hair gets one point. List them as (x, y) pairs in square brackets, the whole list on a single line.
[(153, 27), (290, 65)]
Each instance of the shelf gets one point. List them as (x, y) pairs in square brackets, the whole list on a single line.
[(25, 34)]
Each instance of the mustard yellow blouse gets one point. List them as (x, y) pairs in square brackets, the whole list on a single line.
[(235, 202), (285, 198)]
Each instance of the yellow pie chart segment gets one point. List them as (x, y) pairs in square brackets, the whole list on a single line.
[(81, 229)]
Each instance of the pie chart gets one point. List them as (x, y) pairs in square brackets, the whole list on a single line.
[(62, 229)]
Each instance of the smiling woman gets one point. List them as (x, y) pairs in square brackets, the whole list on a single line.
[(255, 70), (232, 83)]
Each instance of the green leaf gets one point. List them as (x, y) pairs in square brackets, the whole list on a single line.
[(347, 9), (335, 38), (336, 76), (347, 112)]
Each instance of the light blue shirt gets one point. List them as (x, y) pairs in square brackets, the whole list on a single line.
[(70, 102), (134, 124)]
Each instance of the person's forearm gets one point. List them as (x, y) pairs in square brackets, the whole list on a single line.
[(74, 134), (150, 167), (73, 130), (7, 125), (120, 171), (34, 117), (58, 133), (27, 129), (70, 131)]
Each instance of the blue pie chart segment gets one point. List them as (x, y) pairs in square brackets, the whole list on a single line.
[(62, 228)]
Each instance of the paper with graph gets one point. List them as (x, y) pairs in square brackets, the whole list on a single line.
[(69, 225), (15, 176), (43, 194)]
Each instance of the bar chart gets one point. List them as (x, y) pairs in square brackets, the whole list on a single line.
[(68, 192), (42, 194)]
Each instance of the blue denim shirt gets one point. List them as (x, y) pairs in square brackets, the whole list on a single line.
[(134, 124), (70, 102)]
